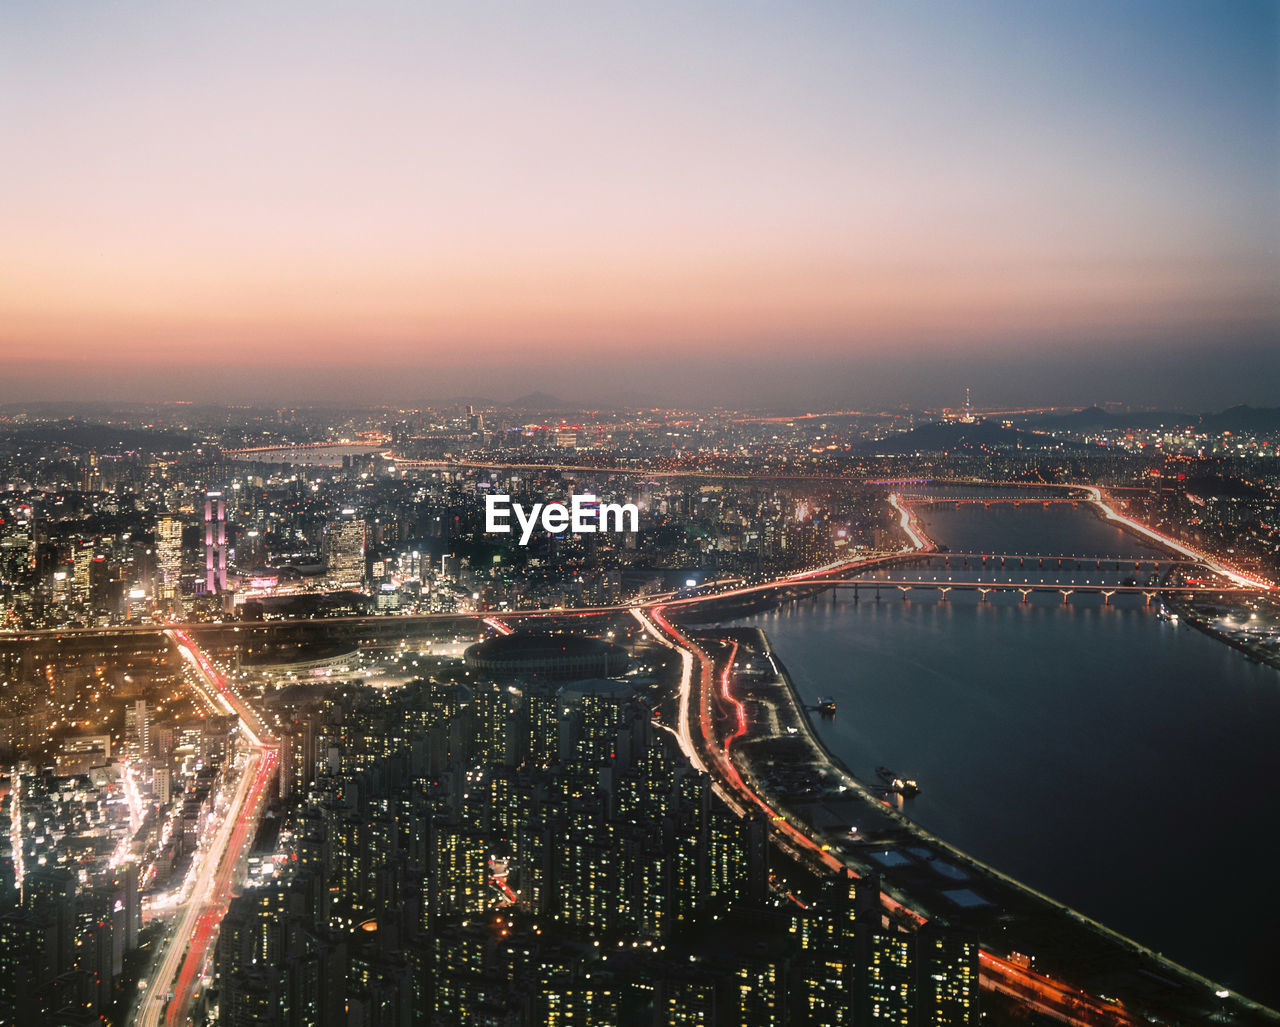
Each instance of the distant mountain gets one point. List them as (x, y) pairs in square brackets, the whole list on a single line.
[(1095, 419), (538, 401), (78, 435), (484, 402), (948, 435), (1258, 420), (1089, 419)]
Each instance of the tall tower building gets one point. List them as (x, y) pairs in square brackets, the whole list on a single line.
[(168, 556), (215, 543), (81, 565), (91, 475), (137, 730), (344, 551)]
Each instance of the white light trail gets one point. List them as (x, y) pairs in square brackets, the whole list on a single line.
[(1217, 566), (15, 829), (917, 540), (682, 732), (209, 882)]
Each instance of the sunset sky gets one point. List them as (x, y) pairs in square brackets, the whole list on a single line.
[(805, 203)]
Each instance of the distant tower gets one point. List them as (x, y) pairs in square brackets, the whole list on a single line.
[(215, 543), (968, 408), (91, 476)]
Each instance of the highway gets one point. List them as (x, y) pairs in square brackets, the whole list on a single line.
[(176, 972), (1219, 566)]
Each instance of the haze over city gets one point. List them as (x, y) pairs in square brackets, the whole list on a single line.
[(814, 205)]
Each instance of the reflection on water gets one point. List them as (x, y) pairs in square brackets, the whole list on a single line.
[(1120, 763)]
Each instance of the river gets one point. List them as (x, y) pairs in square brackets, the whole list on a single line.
[(1123, 764)]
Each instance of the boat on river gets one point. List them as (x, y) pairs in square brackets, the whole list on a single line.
[(905, 786)]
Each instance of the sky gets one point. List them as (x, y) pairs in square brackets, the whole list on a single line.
[(817, 204)]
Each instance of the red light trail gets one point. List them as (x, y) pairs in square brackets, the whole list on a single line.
[(177, 971)]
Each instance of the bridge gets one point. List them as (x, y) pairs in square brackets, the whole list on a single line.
[(1027, 588), (1082, 561), (371, 442), (648, 471), (986, 501)]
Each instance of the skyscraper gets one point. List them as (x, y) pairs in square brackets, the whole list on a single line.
[(215, 543), (344, 551), (168, 556), (137, 730), (82, 561), (91, 476)]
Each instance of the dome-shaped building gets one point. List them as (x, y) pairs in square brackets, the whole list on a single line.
[(542, 656)]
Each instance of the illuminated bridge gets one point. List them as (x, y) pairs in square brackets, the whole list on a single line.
[(988, 500), (1055, 561), (369, 442), (1027, 588)]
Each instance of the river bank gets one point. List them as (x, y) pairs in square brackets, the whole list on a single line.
[(1099, 754), (1188, 613), (928, 874)]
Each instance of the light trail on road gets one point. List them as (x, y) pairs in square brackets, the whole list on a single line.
[(174, 979), (1068, 1004), (909, 525), (1218, 566), (1045, 995), (15, 829), (684, 693)]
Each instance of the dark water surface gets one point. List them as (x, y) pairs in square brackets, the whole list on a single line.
[(1120, 763)]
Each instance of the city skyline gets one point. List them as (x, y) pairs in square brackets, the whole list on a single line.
[(305, 719), (797, 205)]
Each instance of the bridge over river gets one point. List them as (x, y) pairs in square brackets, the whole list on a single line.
[(1027, 588)]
